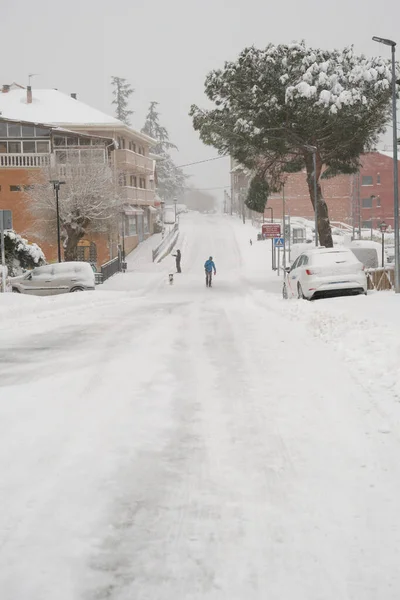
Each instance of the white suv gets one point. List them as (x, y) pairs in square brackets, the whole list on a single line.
[(321, 272), (58, 278)]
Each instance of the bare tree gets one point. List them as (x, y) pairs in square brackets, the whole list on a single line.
[(87, 202)]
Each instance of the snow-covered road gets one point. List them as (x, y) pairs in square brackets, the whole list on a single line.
[(179, 443)]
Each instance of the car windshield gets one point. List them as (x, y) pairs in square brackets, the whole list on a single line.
[(324, 259)]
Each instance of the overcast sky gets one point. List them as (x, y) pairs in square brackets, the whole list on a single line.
[(165, 48)]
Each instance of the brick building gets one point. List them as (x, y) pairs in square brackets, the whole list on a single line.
[(352, 199), (26, 146)]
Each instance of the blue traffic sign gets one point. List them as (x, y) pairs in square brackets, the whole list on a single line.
[(279, 242)]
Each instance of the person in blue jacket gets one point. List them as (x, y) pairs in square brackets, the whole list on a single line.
[(209, 267)]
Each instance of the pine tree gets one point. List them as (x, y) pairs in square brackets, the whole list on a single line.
[(153, 129), (272, 107), (171, 179), (121, 92)]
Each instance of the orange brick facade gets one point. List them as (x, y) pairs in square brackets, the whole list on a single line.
[(352, 199)]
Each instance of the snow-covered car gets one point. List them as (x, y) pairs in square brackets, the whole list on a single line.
[(323, 272), (58, 278)]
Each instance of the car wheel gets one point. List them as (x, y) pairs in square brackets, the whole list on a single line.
[(77, 289), (284, 292), (15, 290), (300, 294)]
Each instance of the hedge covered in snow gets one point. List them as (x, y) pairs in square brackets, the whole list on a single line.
[(20, 254)]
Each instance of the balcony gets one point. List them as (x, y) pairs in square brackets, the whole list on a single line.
[(24, 161), (127, 159), (137, 195)]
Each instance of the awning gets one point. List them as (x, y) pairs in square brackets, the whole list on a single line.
[(130, 211)]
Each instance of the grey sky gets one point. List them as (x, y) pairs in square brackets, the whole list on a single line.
[(166, 47)]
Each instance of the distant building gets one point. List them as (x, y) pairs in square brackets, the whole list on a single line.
[(26, 144), (356, 200)]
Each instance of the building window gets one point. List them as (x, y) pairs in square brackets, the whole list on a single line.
[(15, 188), (142, 183), (146, 221), (42, 147), (59, 141), (28, 131), (14, 147), (366, 224), (72, 141), (3, 147), (14, 131), (122, 179), (131, 225), (378, 201), (133, 181), (3, 129), (29, 147), (85, 142), (378, 179), (42, 132), (367, 180), (367, 202), (61, 157)]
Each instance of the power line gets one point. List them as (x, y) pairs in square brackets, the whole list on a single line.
[(199, 162)]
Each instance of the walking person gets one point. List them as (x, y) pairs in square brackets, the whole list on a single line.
[(178, 258), (209, 267)]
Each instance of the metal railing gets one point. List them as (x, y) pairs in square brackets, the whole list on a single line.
[(110, 268), (167, 244)]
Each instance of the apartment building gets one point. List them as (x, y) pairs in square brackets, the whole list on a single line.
[(359, 200), (127, 150)]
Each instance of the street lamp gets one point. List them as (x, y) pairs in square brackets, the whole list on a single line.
[(56, 185), (383, 227), (313, 149), (392, 44), (175, 201)]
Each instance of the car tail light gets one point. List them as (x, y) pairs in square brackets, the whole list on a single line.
[(309, 272)]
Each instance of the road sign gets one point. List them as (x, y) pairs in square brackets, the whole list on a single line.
[(279, 242), (271, 230), (6, 220)]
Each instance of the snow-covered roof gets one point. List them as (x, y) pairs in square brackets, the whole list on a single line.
[(51, 106)]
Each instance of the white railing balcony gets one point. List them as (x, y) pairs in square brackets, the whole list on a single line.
[(137, 195), (24, 161), (127, 159)]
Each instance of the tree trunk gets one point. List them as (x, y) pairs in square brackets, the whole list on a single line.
[(71, 243), (324, 226)]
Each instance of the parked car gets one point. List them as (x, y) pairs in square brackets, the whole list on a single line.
[(322, 272), (59, 278), (369, 253)]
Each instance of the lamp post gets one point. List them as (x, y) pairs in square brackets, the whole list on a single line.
[(175, 201), (383, 226), (392, 44), (56, 185), (272, 212), (313, 149)]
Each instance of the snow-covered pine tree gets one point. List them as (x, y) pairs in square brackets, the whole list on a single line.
[(122, 90), (271, 103), (171, 179), (20, 254)]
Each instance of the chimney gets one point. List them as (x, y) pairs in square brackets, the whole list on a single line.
[(6, 89), (29, 95), (73, 96)]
